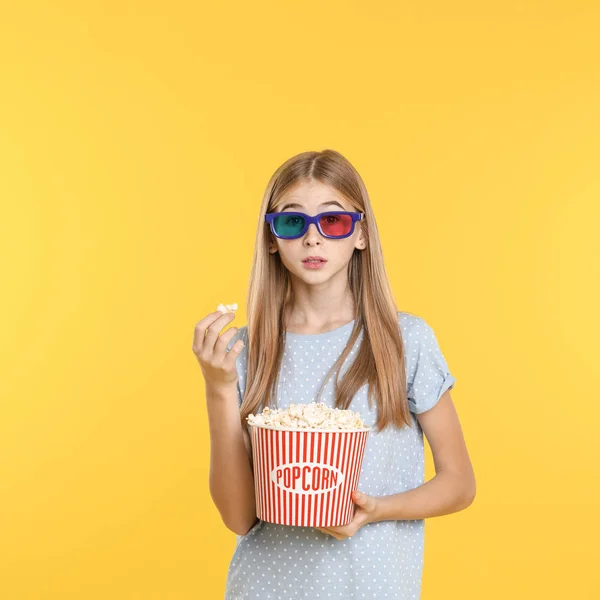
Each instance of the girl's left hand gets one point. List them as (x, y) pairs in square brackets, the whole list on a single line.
[(364, 513)]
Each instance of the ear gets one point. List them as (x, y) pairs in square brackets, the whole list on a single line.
[(361, 242), (272, 245)]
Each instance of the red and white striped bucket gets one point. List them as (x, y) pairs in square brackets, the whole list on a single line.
[(306, 477)]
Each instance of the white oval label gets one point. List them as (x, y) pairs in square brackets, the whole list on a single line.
[(307, 477)]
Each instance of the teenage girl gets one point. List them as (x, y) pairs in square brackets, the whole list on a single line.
[(329, 331)]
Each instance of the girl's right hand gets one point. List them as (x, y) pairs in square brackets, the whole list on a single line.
[(218, 366)]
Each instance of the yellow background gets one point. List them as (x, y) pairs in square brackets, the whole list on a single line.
[(136, 139)]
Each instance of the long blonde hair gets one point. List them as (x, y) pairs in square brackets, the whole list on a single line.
[(380, 361)]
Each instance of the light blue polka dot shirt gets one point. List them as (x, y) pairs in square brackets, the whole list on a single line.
[(383, 559)]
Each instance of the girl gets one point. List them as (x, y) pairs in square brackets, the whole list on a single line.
[(329, 331)]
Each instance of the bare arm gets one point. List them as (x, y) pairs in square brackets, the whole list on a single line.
[(453, 487), (231, 479)]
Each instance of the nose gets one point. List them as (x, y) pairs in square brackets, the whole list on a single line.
[(312, 234)]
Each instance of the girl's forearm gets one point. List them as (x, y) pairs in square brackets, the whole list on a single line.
[(445, 493), (231, 479)]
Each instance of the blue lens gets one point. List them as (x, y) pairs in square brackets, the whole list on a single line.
[(288, 225)]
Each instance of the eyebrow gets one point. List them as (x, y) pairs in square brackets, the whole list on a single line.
[(296, 205)]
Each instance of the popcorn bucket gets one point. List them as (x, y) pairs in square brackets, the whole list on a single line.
[(306, 477)]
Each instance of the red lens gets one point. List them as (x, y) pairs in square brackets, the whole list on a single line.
[(336, 225)]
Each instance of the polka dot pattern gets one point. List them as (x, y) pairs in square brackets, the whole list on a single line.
[(383, 559)]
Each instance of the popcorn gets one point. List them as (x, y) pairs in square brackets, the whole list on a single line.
[(308, 416), (302, 453), (225, 308)]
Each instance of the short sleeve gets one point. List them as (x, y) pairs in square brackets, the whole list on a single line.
[(428, 375), (241, 362)]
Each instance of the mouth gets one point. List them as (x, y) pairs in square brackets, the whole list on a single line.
[(314, 263)]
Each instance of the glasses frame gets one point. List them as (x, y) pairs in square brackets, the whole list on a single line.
[(356, 216)]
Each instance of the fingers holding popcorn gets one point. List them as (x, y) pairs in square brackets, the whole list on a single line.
[(210, 348)]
